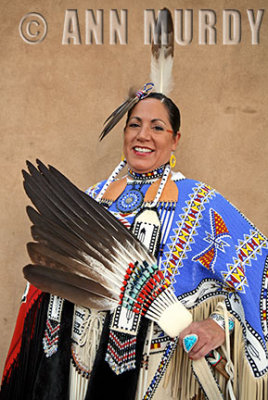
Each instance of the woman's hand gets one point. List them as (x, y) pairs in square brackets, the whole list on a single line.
[(210, 336)]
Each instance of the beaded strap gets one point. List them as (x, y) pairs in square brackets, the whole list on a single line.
[(161, 186), (111, 178)]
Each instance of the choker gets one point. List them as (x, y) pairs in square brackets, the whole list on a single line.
[(147, 176)]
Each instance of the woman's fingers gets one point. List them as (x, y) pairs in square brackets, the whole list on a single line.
[(209, 336), (200, 352)]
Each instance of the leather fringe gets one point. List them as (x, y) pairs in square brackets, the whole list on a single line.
[(184, 386)]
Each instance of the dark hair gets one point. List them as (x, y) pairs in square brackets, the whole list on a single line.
[(172, 109)]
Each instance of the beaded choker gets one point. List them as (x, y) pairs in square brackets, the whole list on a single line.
[(146, 176)]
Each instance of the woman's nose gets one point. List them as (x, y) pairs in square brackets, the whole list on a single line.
[(144, 132)]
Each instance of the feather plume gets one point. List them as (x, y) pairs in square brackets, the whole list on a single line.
[(118, 114), (163, 53)]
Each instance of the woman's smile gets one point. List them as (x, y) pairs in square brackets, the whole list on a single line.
[(142, 151)]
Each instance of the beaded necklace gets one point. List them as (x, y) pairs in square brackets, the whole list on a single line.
[(133, 199), (145, 176)]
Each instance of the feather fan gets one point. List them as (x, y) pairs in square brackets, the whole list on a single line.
[(84, 254), (162, 53)]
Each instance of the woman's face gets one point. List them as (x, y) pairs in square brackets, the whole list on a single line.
[(148, 136)]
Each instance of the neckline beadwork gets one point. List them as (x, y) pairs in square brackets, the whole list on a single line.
[(147, 176)]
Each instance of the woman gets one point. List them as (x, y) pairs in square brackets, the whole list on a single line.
[(203, 246), (151, 135)]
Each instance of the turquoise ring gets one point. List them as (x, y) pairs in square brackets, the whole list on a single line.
[(189, 342)]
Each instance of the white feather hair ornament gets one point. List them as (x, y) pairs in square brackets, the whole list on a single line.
[(162, 53)]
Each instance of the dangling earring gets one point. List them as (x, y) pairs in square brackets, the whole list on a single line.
[(172, 160)]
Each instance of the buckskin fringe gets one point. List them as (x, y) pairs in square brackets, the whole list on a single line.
[(183, 384)]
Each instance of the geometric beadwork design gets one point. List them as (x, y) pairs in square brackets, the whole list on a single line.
[(92, 191), (235, 277), (121, 352), (250, 247), (187, 225), (51, 338), (129, 201), (122, 218), (161, 369), (51, 334), (247, 250), (264, 300), (219, 230)]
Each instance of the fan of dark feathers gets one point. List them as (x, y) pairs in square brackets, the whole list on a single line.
[(81, 251)]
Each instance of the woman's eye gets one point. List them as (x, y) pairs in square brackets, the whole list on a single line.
[(134, 125), (158, 128)]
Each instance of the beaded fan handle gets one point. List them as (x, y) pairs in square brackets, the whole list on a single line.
[(147, 292)]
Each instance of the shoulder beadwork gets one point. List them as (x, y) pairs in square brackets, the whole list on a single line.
[(93, 190), (177, 176)]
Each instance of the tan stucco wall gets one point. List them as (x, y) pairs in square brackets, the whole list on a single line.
[(54, 99)]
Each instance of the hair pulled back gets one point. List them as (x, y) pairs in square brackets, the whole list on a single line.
[(173, 111)]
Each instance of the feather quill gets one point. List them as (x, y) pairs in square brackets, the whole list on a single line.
[(163, 53)]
